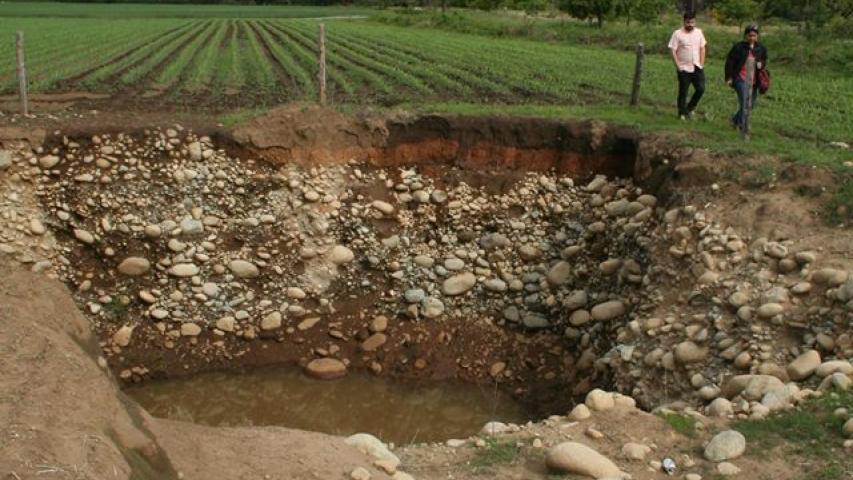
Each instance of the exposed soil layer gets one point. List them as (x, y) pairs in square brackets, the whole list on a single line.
[(309, 134)]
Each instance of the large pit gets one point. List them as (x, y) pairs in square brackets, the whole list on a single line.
[(436, 254), (311, 270)]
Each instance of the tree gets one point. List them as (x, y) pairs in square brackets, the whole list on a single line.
[(812, 13), (643, 11), (532, 7), (736, 11), (589, 9)]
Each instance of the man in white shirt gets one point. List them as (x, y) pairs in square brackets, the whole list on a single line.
[(688, 53)]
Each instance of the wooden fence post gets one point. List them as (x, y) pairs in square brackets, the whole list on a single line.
[(638, 76), (321, 76), (22, 72), (747, 107)]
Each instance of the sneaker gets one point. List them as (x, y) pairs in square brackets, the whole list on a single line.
[(691, 115), (683, 118)]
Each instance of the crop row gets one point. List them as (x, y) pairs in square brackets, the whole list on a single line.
[(243, 62)]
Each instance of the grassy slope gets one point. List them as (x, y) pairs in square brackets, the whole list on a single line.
[(811, 81), (788, 47), (791, 120), (809, 436)]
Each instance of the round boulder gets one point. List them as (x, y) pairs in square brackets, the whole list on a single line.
[(340, 255), (599, 400), (804, 366), (577, 458), (243, 269), (326, 368), (458, 284), (134, 266), (608, 310), (725, 446)]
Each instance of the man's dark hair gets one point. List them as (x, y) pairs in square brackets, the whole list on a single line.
[(750, 28), (689, 15)]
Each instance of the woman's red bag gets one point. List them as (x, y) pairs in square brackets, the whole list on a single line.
[(763, 80)]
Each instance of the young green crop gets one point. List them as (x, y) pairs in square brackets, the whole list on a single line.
[(151, 65), (57, 50), (308, 57), (230, 74), (355, 57), (95, 79), (298, 73), (171, 73), (364, 76), (206, 64), (262, 77)]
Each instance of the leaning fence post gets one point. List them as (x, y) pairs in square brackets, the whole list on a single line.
[(22, 72), (750, 85), (321, 76), (638, 75)]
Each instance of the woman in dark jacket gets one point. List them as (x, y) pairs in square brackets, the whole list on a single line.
[(736, 70)]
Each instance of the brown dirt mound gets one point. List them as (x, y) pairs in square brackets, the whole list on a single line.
[(310, 134), (61, 416)]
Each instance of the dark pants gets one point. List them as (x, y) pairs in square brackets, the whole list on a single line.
[(742, 89), (685, 79)]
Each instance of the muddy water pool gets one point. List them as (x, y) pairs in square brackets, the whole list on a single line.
[(395, 412)]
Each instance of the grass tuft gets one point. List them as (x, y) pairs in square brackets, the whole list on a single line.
[(840, 208), (496, 452), (682, 424)]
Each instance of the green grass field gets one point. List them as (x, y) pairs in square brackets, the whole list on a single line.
[(222, 58)]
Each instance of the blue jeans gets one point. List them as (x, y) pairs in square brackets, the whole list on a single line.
[(741, 88)]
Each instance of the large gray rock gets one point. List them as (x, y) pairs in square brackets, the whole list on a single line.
[(804, 366), (340, 255), (534, 321), (271, 321), (5, 159), (373, 342), (184, 270), (599, 401), (459, 284), (577, 458), (194, 149), (834, 366), (84, 236), (608, 310), (432, 307), (720, 407), (134, 266), (688, 352), (576, 300), (559, 273), (122, 336), (326, 368), (779, 398), (373, 447), (48, 161), (243, 269), (191, 226), (725, 446), (751, 387)]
